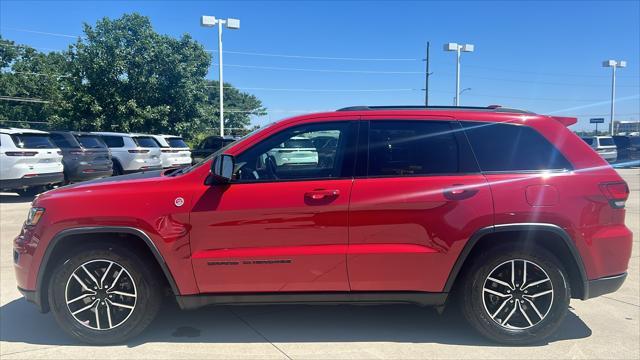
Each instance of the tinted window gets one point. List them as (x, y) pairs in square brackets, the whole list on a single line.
[(291, 154), (407, 148), (146, 142), (90, 142), (588, 140), (212, 143), (606, 142), (298, 143), (61, 141), (177, 143), (113, 141), (33, 141), (507, 147)]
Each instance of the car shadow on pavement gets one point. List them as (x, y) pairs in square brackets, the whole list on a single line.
[(10, 198), (278, 324)]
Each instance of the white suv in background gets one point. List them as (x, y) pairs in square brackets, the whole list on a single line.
[(29, 161), (295, 151), (132, 152), (604, 146), (175, 152)]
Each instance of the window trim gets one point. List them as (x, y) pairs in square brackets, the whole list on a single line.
[(352, 132)]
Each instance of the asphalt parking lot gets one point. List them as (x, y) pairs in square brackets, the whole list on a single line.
[(605, 327)]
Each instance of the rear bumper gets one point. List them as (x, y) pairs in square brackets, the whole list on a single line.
[(84, 173), (603, 285), (37, 180)]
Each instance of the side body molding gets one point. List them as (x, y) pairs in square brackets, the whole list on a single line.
[(521, 227), (98, 230)]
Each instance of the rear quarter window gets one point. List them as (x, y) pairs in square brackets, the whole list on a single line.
[(90, 142), (33, 141), (606, 142), (508, 147), (146, 142), (113, 141), (176, 143)]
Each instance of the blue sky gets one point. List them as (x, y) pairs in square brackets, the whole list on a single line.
[(541, 56)]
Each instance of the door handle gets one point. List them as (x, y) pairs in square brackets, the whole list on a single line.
[(460, 192), (320, 194)]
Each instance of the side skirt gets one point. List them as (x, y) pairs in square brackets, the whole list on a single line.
[(189, 302)]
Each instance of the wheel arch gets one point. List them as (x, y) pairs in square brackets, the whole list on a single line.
[(492, 235), (65, 237)]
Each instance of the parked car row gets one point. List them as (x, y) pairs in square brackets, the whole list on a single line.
[(32, 161), (618, 149)]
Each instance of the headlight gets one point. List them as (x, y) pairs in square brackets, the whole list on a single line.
[(34, 216)]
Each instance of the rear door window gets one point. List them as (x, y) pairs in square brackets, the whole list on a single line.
[(508, 147), (33, 141), (146, 142), (414, 148), (90, 142)]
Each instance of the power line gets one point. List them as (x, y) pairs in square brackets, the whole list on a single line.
[(313, 57), (23, 99), (42, 32), (323, 70)]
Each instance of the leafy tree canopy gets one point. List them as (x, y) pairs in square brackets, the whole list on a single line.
[(120, 76)]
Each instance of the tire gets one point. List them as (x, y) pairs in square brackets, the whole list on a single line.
[(117, 169), (500, 318), (127, 315)]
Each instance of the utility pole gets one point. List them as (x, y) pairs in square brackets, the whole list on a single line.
[(426, 79)]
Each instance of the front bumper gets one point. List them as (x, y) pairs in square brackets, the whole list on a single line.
[(604, 285)]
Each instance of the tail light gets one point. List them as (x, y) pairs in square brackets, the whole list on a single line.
[(21, 153), (169, 151), (76, 152), (616, 192), (138, 151)]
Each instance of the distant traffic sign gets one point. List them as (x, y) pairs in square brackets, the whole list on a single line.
[(596, 120)]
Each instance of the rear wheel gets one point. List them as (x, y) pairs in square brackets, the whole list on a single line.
[(117, 169), (515, 296), (104, 295)]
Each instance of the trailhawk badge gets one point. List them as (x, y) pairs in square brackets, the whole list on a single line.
[(178, 201)]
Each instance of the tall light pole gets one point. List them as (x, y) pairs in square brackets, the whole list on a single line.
[(233, 24), (458, 48), (613, 64)]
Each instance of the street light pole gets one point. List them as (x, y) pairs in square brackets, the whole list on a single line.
[(233, 24), (220, 79), (457, 102), (458, 48), (613, 64)]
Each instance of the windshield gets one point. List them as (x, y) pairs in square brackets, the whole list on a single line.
[(33, 141), (90, 142), (176, 143), (146, 142)]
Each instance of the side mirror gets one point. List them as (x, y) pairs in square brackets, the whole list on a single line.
[(221, 169)]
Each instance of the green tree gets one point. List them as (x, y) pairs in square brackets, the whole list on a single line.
[(120, 76), (33, 77)]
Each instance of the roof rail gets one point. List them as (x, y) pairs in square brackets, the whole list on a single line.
[(494, 108)]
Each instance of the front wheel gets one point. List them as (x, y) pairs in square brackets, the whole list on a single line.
[(515, 296), (104, 295)]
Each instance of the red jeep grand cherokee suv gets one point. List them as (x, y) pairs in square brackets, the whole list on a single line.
[(506, 209)]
